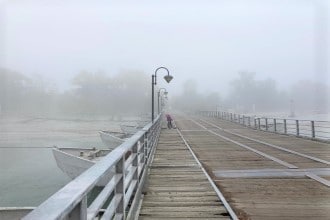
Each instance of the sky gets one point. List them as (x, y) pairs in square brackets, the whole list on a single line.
[(209, 41)]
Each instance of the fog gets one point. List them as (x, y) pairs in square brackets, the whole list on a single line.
[(83, 57)]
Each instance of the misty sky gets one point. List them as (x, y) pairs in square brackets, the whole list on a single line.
[(209, 41)]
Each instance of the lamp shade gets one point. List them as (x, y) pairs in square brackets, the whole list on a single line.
[(168, 78)]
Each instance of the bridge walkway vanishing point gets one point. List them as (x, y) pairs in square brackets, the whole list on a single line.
[(177, 186), (262, 175)]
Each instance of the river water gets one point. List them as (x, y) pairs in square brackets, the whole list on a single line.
[(28, 171)]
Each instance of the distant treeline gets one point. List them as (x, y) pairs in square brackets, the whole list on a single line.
[(128, 93), (248, 95), (91, 93)]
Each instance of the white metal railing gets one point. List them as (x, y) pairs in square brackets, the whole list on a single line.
[(303, 128), (127, 166)]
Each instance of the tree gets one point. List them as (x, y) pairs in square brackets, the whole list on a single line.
[(248, 93), (310, 96)]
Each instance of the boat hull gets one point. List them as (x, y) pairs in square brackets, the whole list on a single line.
[(69, 162), (110, 140)]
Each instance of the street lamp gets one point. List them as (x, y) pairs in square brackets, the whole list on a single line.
[(165, 93), (168, 79)]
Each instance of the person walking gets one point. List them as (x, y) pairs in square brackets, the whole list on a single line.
[(169, 121)]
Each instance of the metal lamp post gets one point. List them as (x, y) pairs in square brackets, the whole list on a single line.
[(167, 78), (165, 92)]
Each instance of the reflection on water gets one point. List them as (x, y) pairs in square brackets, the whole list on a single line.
[(28, 171)]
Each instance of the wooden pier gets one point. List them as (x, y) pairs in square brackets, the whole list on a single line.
[(207, 168), (177, 187), (262, 175)]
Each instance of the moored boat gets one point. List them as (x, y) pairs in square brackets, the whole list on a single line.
[(74, 161), (112, 139), (129, 129)]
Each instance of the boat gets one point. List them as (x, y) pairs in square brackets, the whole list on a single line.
[(113, 139), (129, 129), (74, 161)]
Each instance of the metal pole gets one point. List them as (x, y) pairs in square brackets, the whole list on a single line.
[(313, 129), (158, 101), (297, 127), (275, 125), (152, 98), (285, 128)]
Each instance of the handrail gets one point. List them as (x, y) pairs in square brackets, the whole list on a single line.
[(313, 129), (126, 167)]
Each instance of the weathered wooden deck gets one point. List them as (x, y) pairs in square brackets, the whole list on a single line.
[(262, 175), (177, 186)]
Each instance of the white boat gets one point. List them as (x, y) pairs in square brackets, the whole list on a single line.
[(74, 161), (129, 129), (112, 139)]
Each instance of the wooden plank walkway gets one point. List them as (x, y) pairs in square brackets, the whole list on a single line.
[(177, 187), (262, 175)]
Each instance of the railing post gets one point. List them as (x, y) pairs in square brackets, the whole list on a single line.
[(285, 128), (313, 129), (249, 121), (266, 122), (259, 126), (297, 127), (80, 211), (135, 162), (146, 147), (243, 120), (120, 187), (275, 125)]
